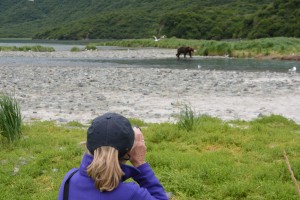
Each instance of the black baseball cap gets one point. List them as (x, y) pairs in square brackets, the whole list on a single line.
[(110, 129)]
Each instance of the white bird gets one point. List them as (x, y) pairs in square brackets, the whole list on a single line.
[(199, 66), (156, 40), (293, 70)]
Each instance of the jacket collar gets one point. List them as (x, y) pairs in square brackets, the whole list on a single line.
[(129, 171)]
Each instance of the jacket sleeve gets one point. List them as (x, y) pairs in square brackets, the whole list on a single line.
[(151, 188)]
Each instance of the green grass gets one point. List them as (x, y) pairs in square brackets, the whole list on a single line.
[(214, 160), (242, 49), (274, 47), (10, 118), (36, 48), (75, 49), (90, 47)]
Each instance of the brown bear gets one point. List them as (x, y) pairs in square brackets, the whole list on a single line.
[(184, 50)]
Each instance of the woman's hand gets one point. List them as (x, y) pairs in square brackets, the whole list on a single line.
[(139, 149)]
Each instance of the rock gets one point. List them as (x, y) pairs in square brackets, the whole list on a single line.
[(61, 120), (80, 84)]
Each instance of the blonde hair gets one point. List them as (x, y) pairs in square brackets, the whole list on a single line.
[(105, 169)]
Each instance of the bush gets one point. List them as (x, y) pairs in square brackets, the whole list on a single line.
[(10, 118), (75, 49), (91, 47)]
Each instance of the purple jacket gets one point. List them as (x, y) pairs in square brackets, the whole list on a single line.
[(82, 187)]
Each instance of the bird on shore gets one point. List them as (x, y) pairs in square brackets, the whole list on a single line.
[(292, 70), (157, 39)]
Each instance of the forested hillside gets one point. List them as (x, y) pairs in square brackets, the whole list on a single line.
[(119, 19)]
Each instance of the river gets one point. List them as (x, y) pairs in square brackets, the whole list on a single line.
[(197, 62)]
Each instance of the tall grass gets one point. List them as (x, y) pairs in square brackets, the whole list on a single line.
[(237, 48), (187, 118), (10, 118)]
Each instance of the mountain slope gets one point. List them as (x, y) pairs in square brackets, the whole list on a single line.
[(205, 19)]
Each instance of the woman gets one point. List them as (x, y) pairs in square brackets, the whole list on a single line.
[(111, 141)]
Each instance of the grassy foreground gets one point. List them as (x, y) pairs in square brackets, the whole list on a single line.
[(213, 160), (277, 46)]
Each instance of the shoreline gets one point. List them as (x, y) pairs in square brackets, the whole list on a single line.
[(282, 57), (153, 95), (133, 52)]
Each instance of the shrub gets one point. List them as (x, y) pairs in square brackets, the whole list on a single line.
[(90, 47), (75, 49), (10, 118)]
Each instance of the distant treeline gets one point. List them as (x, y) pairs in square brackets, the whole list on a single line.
[(188, 19)]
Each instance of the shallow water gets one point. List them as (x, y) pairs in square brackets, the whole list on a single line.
[(200, 63), (169, 63)]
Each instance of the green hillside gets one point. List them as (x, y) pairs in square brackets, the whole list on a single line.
[(119, 19)]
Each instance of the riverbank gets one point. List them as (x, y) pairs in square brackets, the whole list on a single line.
[(134, 53), (80, 93), (286, 57)]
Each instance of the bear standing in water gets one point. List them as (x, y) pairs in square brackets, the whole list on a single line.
[(184, 50)]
